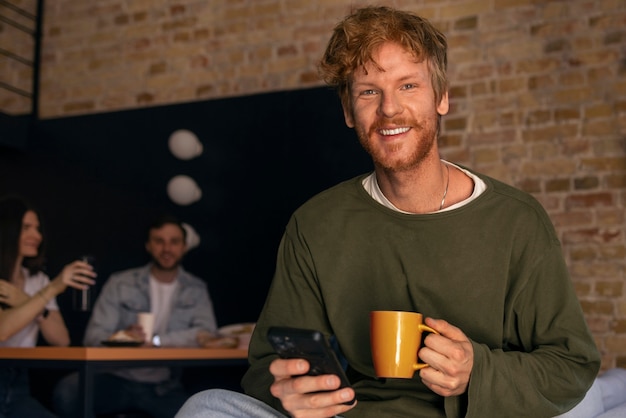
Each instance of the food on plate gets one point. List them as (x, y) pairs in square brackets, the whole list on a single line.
[(122, 335), (242, 331), (237, 329), (210, 340)]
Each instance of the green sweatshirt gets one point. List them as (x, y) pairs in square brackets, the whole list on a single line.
[(493, 268)]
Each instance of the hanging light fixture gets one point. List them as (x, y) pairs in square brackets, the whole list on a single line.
[(184, 144), (183, 190), (193, 239)]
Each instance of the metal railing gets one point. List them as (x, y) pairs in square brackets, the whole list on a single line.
[(31, 25)]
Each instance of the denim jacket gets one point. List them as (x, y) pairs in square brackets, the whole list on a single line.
[(127, 293)]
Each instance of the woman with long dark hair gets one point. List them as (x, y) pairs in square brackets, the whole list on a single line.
[(28, 300)]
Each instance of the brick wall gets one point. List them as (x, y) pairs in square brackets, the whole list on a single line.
[(17, 55), (538, 96)]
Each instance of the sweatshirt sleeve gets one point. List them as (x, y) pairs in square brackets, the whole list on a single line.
[(293, 300), (548, 359)]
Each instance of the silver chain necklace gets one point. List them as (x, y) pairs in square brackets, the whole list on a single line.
[(445, 192)]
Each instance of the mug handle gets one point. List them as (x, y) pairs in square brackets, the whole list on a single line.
[(422, 327)]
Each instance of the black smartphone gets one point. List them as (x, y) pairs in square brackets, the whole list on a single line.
[(310, 345)]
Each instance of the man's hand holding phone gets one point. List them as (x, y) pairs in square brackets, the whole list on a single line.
[(310, 396), (308, 378)]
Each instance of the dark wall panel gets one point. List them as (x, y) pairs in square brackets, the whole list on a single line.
[(98, 179), (14, 130)]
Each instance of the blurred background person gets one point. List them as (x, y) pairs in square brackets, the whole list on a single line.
[(28, 301), (182, 309)]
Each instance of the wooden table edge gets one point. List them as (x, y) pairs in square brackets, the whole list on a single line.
[(121, 353)]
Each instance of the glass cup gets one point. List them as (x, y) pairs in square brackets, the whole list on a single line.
[(82, 298)]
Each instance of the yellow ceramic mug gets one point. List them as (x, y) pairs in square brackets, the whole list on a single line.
[(395, 339)]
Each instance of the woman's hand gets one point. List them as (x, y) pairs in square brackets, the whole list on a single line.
[(77, 274), (308, 396), (11, 295)]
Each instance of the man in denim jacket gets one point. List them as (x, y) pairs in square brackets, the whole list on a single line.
[(181, 307)]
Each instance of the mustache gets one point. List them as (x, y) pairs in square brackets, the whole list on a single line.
[(382, 123)]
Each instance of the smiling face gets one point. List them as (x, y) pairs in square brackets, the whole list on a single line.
[(30, 237), (393, 109), (167, 246)]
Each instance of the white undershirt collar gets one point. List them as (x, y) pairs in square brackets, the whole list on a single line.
[(371, 187)]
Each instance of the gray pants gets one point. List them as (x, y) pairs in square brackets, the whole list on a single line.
[(220, 403)]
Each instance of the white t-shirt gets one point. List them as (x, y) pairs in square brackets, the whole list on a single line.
[(161, 303), (371, 186), (161, 299), (27, 336)]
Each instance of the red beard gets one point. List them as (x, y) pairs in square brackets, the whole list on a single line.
[(420, 141)]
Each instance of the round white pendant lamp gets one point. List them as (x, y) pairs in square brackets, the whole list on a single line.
[(193, 239), (183, 190), (184, 144)]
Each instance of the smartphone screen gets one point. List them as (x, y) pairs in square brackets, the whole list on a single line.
[(310, 345)]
